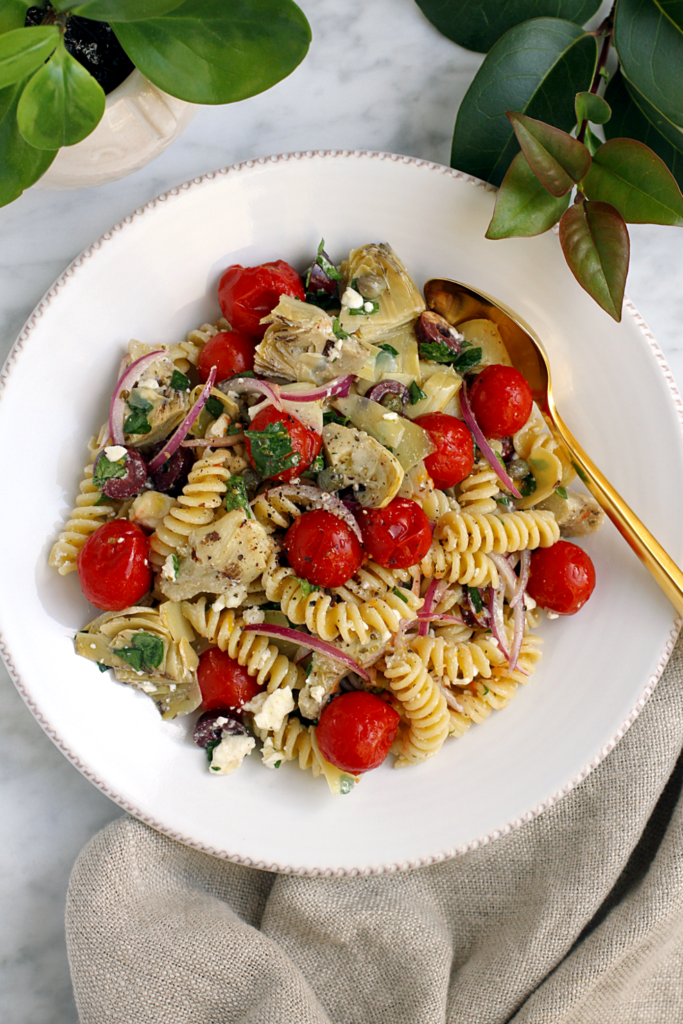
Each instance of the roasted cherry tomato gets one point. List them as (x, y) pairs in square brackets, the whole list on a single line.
[(501, 400), (223, 681), (397, 535), (113, 566), (454, 456), (230, 352), (247, 294), (303, 440), (562, 577), (356, 730), (322, 549)]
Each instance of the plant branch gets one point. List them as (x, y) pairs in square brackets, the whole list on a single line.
[(607, 27)]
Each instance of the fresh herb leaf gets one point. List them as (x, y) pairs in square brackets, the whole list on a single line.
[(388, 348), (103, 668), (399, 593), (175, 561), (440, 352), (527, 486), (467, 359), (415, 392), (338, 330), (346, 784), (475, 598), (306, 587), (277, 764), (486, 689), (214, 407), (324, 263), (362, 311), (318, 464), (271, 449), (562, 491), (106, 470), (236, 495), (103, 500), (309, 669), (146, 652), (179, 382), (137, 401), (235, 376), (234, 428), (502, 499), (137, 422), (210, 747), (500, 459), (332, 416)]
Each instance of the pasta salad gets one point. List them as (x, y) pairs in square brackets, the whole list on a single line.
[(327, 522)]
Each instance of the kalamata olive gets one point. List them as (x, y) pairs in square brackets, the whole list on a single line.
[(211, 726), (431, 327), (171, 476), (508, 448), (387, 389), (320, 282), (135, 478), (370, 286)]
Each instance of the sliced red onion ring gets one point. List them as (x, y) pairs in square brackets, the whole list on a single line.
[(214, 442), (314, 643), (524, 567), (127, 381), (506, 571), (272, 391), (389, 387), (519, 623), (427, 608), (486, 449), (449, 619), (321, 499), (176, 439), (496, 598), (337, 388)]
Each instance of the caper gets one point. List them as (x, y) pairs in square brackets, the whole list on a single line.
[(392, 402), (370, 286), (330, 479), (251, 481), (518, 469)]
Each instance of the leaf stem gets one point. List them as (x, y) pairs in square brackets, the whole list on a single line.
[(607, 28)]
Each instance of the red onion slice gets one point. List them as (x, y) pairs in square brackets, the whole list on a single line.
[(127, 381), (524, 567), (519, 623), (427, 608), (314, 643), (496, 598), (321, 499), (506, 571), (183, 430), (450, 619), (337, 388), (241, 384), (486, 449)]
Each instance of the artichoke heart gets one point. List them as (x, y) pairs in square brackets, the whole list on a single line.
[(225, 557), (363, 463), (300, 345), (165, 414), (399, 302), (324, 675)]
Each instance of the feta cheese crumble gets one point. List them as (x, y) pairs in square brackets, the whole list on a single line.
[(230, 753), (317, 693), (168, 570), (114, 452), (271, 757), (352, 299), (269, 709), (253, 616)]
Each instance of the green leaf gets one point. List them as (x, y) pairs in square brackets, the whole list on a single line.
[(440, 352), (210, 52), (523, 206), (324, 263), (388, 348), (13, 14), (399, 593), (137, 423), (21, 164), (478, 24), (23, 50), (634, 180), (415, 393), (592, 141), (595, 243), (214, 406), (590, 107), (306, 587), (61, 104), (332, 416), (362, 311), (146, 652), (271, 449), (137, 401), (557, 160), (179, 382), (673, 133), (562, 491), (527, 486), (629, 120), (106, 470), (338, 330), (236, 495), (117, 10), (648, 37), (536, 68), (475, 598)]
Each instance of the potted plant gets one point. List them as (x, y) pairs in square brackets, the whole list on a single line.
[(146, 62)]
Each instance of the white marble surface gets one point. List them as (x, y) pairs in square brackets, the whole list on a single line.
[(378, 76)]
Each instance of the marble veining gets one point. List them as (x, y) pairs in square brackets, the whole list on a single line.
[(378, 76)]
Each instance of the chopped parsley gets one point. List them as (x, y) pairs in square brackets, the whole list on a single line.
[(236, 495), (179, 382), (562, 491), (271, 449), (137, 422), (106, 470), (214, 406), (146, 652), (527, 486), (387, 348), (317, 466), (475, 598), (486, 689), (175, 562), (399, 593), (338, 330), (210, 747), (362, 311), (103, 500), (346, 784), (234, 428), (440, 352), (324, 263), (103, 668), (237, 376), (306, 587), (416, 393), (332, 416), (277, 764), (500, 459), (502, 499)]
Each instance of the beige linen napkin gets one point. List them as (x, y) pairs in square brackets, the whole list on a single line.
[(577, 917)]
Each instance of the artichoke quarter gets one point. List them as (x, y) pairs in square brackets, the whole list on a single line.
[(398, 301)]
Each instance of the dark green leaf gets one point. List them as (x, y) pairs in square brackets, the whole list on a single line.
[(562, 491), (23, 50), (527, 486), (557, 160), (332, 416), (103, 668), (415, 393), (13, 14), (592, 141), (338, 330), (179, 382), (629, 120), (317, 466), (466, 360), (673, 133), (440, 352), (277, 764), (595, 243), (236, 495), (523, 207), (117, 10), (137, 401), (209, 748), (648, 36), (399, 593), (478, 24), (590, 107), (209, 52), (214, 406), (475, 598), (503, 499), (137, 423), (21, 164), (61, 104), (106, 470), (324, 263), (146, 652), (388, 348), (176, 565), (306, 588), (634, 180), (362, 311), (271, 449), (536, 68)]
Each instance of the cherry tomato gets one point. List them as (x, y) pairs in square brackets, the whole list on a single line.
[(230, 352), (501, 400), (562, 577), (396, 536), (454, 456), (303, 440), (223, 681), (113, 566), (322, 549), (356, 730), (247, 294)]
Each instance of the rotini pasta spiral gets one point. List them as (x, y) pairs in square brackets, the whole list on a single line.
[(372, 580), (423, 705), (274, 512), (201, 496), (87, 517), (293, 740), (458, 662), (472, 568), (501, 533), (536, 434), (476, 493), (251, 650), (435, 504)]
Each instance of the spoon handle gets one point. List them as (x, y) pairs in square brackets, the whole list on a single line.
[(635, 533)]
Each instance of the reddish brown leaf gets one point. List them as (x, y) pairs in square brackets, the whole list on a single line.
[(557, 160), (595, 243)]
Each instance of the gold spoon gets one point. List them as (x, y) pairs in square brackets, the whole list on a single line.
[(457, 303)]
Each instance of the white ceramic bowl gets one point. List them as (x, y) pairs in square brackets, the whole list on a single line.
[(154, 277)]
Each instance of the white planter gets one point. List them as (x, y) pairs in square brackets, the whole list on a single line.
[(139, 122)]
